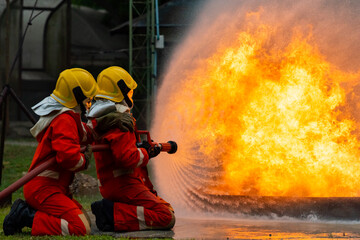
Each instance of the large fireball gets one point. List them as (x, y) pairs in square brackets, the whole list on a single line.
[(259, 115)]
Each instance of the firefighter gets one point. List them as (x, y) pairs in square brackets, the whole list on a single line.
[(49, 208), (129, 202)]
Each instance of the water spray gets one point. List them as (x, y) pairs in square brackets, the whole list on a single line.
[(266, 114)]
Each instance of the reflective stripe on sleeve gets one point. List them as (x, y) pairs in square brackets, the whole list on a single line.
[(79, 164), (141, 158)]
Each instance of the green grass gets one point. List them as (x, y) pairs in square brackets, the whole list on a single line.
[(16, 161)]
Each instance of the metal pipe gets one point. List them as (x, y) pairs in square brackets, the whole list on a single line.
[(4, 94), (3, 134), (130, 38), (157, 19), (7, 43), (22, 106)]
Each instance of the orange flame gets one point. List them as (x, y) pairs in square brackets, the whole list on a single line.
[(273, 120)]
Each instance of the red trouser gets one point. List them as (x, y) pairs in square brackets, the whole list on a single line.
[(136, 208), (58, 215)]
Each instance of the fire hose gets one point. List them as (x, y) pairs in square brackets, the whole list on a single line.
[(169, 147)]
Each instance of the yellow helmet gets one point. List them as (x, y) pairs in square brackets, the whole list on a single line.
[(73, 86), (116, 84)]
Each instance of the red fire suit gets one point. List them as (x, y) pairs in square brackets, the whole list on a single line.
[(123, 179), (48, 193)]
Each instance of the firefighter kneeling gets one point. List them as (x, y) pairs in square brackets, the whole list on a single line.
[(49, 208), (129, 202)]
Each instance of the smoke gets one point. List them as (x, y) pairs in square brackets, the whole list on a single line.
[(334, 26)]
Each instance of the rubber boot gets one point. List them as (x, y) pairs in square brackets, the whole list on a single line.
[(21, 215), (104, 213)]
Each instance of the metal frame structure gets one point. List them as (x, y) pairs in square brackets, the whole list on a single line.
[(14, 72), (142, 59), (17, 64)]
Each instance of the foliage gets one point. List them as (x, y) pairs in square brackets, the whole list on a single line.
[(16, 162)]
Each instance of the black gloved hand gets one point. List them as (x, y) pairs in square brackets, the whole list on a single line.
[(152, 151), (123, 121), (87, 155)]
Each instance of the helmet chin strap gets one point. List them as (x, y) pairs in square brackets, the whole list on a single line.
[(125, 90), (82, 108), (80, 97)]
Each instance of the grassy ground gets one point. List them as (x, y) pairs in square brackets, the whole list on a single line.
[(17, 159)]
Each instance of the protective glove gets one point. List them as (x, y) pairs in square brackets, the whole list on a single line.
[(123, 121), (152, 151), (87, 155)]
